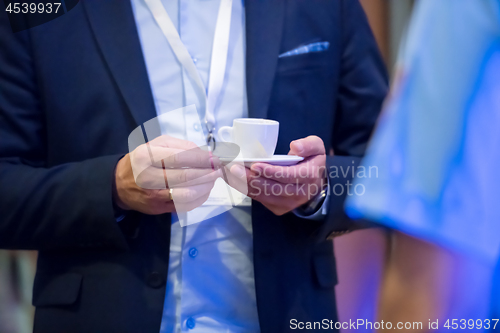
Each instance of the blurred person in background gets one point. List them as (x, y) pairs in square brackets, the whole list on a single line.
[(437, 150), (361, 255)]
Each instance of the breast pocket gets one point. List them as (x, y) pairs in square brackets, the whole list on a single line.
[(50, 290), (305, 62)]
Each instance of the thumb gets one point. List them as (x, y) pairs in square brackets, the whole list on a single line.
[(312, 145)]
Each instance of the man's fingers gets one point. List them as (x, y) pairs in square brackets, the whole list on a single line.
[(163, 196), (193, 158), (183, 147), (260, 189), (186, 207), (304, 172), (161, 204), (178, 158), (191, 177), (151, 178), (156, 178), (278, 173), (288, 196), (235, 175), (167, 141), (182, 154), (312, 145), (183, 195), (270, 192), (158, 202)]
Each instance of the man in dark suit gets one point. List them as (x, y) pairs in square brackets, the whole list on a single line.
[(71, 92)]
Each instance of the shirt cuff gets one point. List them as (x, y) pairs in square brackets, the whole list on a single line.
[(321, 212)]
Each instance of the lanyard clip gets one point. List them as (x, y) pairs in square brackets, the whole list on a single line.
[(210, 136), (211, 141)]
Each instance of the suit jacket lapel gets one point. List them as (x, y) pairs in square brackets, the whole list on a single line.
[(264, 25), (114, 28)]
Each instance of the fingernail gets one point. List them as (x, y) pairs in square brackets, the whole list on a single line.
[(218, 172), (298, 145), (238, 171), (256, 169)]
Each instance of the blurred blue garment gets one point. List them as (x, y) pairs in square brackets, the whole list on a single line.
[(495, 297), (437, 145)]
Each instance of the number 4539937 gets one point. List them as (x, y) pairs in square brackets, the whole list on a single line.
[(462, 324), (27, 7)]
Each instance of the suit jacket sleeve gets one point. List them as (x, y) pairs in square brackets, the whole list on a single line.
[(67, 205), (362, 89)]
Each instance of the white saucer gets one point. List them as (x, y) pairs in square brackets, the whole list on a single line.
[(283, 160)]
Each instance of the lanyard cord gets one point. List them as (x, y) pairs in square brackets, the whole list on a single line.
[(217, 62)]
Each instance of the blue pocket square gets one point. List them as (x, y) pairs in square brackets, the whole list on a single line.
[(313, 47)]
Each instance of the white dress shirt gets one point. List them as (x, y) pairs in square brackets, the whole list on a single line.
[(210, 284)]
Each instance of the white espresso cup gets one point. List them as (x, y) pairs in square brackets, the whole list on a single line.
[(256, 138)]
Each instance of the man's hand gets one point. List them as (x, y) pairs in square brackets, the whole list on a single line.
[(283, 188), (163, 169)]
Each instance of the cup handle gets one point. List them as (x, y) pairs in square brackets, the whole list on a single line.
[(225, 130)]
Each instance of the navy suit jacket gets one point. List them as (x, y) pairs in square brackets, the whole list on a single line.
[(72, 90)]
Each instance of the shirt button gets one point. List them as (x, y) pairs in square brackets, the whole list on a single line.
[(190, 323), (196, 127), (155, 280), (193, 252), (195, 60)]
